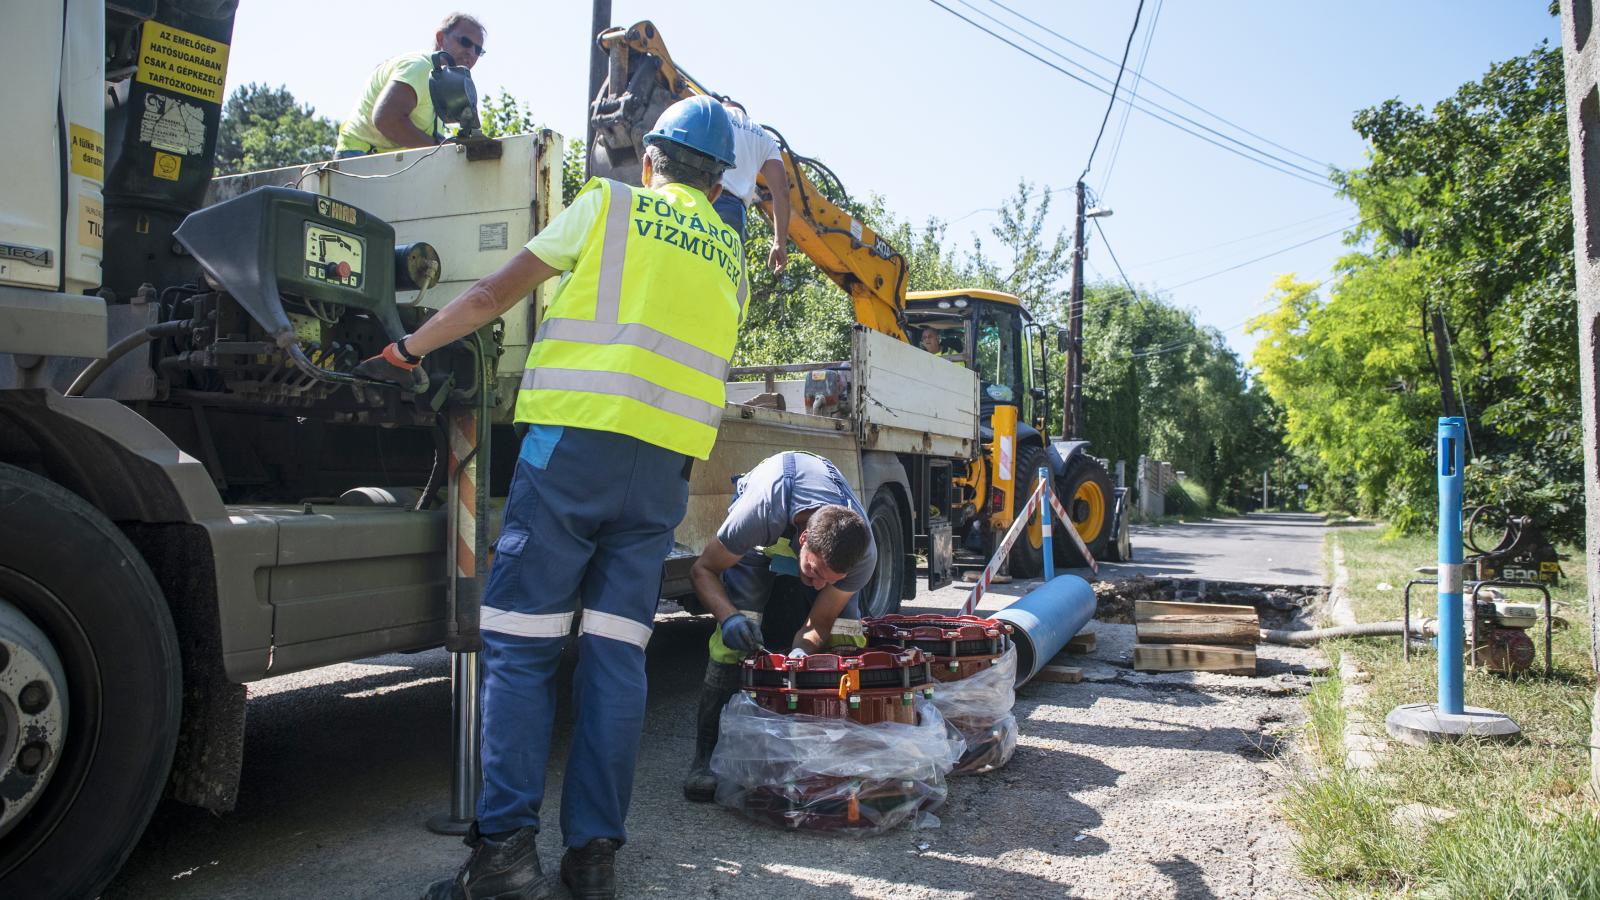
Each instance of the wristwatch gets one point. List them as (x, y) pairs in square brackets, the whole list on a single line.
[(405, 354)]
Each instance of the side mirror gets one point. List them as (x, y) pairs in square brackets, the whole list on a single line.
[(1037, 393), (1061, 340)]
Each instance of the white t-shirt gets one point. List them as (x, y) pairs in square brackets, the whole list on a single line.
[(752, 147)]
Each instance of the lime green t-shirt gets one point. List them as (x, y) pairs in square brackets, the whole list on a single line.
[(360, 133)]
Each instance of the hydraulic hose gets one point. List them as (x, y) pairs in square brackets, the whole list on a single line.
[(122, 348), (1422, 628)]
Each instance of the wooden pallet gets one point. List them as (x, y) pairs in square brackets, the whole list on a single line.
[(1194, 658), (1195, 637), (1161, 622)]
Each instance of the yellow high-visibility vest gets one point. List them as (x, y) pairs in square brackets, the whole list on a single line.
[(637, 338)]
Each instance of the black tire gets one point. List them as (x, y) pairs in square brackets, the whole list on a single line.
[(1086, 494), (1027, 554), (79, 581), (881, 596)]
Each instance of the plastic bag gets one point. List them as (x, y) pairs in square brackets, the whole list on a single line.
[(825, 774), (979, 707)]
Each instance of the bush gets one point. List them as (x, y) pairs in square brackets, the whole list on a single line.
[(1187, 498)]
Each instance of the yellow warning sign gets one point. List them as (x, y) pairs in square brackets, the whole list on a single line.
[(91, 222), (187, 63), (168, 166), (88, 148)]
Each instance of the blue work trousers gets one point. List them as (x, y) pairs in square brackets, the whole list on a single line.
[(590, 516), (732, 210)]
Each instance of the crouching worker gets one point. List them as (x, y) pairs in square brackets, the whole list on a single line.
[(795, 520)]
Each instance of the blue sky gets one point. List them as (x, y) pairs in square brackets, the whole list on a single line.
[(902, 99)]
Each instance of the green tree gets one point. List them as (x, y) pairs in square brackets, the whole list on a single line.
[(264, 128), (503, 116), (1465, 209)]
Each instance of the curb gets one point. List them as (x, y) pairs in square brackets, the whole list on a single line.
[(1364, 743)]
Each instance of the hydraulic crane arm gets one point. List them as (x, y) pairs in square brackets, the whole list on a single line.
[(642, 81)]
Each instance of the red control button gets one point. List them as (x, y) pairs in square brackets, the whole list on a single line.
[(338, 271)]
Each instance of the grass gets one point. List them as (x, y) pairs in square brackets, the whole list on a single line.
[(1524, 823)]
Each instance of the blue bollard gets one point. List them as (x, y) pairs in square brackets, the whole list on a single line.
[(1451, 628), (1044, 523), (1450, 719)]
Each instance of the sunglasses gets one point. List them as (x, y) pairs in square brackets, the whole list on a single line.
[(469, 44)]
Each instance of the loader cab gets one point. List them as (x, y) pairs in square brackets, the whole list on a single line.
[(991, 333)]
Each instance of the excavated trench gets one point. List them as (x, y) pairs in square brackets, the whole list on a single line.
[(1280, 606)]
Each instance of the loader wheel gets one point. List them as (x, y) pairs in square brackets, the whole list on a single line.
[(1027, 554), (83, 623), (1087, 496), (882, 594)]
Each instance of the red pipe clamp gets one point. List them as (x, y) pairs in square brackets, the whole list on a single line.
[(961, 647), (958, 646), (868, 686)]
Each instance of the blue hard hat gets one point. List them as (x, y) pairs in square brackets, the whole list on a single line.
[(698, 123)]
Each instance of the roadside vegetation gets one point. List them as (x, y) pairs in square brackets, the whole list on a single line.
[(1519, 820), (1464, 209)]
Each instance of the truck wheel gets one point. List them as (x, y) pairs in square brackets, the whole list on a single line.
[(882, 594), (90, 692), (1027, 554), (1087, 496)]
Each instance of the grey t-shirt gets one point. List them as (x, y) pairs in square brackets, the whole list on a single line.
[(768, 502)]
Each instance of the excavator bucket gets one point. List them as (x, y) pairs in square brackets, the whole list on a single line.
[(641, 82)]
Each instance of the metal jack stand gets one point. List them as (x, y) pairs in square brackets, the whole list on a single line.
[(1449, 719), (467, 554)]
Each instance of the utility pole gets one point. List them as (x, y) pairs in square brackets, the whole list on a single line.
[(1072, 416), (1441, 353), (1263, 490), (597, 71)]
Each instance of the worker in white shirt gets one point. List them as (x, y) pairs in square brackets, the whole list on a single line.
[(755, 152)]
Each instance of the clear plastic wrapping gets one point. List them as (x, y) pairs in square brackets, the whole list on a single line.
[(827, 774), (979, 707)]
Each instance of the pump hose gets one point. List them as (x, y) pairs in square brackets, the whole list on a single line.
[(122, 348), (1421, 628)]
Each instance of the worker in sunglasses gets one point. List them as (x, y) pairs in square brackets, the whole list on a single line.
[(395, 110)]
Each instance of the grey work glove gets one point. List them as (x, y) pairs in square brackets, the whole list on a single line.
[(741, 634)]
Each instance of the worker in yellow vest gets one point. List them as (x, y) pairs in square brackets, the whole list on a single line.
[(623, 391)]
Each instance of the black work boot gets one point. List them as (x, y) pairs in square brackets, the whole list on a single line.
[(722, 681), (497, 870), (589, 872)]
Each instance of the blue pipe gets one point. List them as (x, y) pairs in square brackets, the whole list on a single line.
[(1045, 619), (1044, 524), (1451, 631)]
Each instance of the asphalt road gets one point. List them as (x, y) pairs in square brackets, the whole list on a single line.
[(1261, 548), (1128, 784)]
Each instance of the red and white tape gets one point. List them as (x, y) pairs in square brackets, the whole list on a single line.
[(1017, 525), (1072, 532)]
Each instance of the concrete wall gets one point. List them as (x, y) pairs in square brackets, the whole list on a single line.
[(1153, 479), (1581, 49)]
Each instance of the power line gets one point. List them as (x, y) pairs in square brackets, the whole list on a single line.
[(1340, 230), (1293, 170), (1239, 240), (1133, 94), (1115, 85), (1113, 254), (1169, 92), (1174, 346)]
